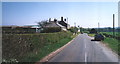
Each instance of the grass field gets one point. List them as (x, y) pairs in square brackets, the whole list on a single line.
[(111, 33)]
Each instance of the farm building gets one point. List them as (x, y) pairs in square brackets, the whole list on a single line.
[(55, 23)]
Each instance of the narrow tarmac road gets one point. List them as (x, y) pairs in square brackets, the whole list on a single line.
[(82, 49)]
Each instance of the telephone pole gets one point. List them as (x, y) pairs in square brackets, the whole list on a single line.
[(98, 27), (113, 25), (75, 24)]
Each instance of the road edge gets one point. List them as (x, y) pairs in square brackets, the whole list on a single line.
[(106, 45), (109, 48), (54, 53)]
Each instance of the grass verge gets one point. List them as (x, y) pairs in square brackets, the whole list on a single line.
[(112, 43), (46, 50), (92, 35)]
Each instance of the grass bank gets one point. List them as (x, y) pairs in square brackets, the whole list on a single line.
[(33, 57), (32, 47), (113, 44)]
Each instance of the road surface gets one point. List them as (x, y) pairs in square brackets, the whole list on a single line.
[(82, 49)]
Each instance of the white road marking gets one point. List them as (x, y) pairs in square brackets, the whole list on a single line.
[(85, 57), (85, 53)]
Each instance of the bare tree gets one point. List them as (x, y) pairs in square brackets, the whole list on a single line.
[(42, 23)]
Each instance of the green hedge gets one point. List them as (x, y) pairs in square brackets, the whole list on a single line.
[(18, 30), (18, 46), (51, 29), (109, 34)]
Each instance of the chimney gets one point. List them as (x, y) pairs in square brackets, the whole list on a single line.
[(55, 20), (61, 18), (64, 19), (49, 19)]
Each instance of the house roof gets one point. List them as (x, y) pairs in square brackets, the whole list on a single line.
[(63, 23), (52, 24), (33, 26)]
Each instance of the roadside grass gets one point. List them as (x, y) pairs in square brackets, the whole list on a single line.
[(92, 35), (112, 43), (34, 57)]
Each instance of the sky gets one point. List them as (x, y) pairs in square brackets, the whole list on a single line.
[(84, 14)]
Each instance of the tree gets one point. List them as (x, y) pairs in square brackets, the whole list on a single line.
[(43, 23), (73, 29), (109, 29), (93, 30)]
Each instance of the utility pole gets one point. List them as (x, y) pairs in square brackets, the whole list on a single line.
[(98, 27), (113, 25), (75, 24), (75, 28)]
